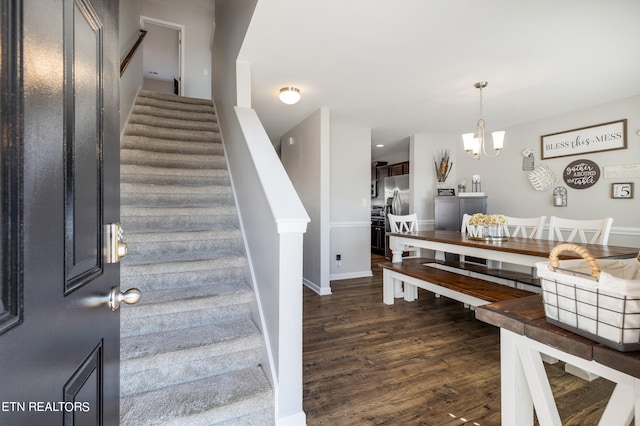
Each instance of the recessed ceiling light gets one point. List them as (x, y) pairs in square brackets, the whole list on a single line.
[(379, 145)]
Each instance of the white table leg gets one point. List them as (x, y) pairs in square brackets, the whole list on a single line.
[(620, 408), (539, 386), (517, 406)]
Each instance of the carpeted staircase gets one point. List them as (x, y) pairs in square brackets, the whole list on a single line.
[(190, 351)]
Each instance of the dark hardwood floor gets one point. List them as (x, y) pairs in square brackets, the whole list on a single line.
[(428, 362)]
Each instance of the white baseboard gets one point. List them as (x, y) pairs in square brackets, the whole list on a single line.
[(348, 275), (322, 291)]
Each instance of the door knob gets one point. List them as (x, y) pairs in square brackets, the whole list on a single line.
[(130, 297)]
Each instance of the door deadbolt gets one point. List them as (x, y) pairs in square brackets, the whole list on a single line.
[(114, 246)]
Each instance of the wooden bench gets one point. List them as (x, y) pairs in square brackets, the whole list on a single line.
[(521, 279), (469, 290)]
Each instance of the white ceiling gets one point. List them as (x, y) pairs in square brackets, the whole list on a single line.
[(402, 67)]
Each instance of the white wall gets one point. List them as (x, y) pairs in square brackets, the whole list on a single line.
[(198, 22), (350, 201), (131, 80), (304, 152), (507, 185), (423, 148)]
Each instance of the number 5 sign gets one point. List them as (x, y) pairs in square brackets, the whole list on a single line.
[(622, 190)]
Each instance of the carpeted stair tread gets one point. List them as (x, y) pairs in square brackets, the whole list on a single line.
[(172, 160), (202, 402), (155, 111), (192, 313), (152, 195), (172, 244), (164, 145), (172, 134), (181, 279), (140, 218), (190, 351), (130, 173), (182, 100), (180, 340), (173, 123), (187, 299), (154, 265)]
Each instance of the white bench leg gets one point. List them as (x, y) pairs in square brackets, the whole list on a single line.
[(388, 284), (397, 289), (410, 292)]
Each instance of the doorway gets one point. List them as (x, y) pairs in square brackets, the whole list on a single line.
[(163, 59)]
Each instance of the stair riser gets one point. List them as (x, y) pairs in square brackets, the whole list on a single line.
[(155, 179), (152, 282), (211, 162), (169, 105), (141, 223), (173, 134), (173, 123), (136, 326), (154, 111), (156, 372), (173, 248), (175, 200), (172, 147)]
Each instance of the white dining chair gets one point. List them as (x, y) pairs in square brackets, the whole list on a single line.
[(587, 231), (525, 227), (403, 223)]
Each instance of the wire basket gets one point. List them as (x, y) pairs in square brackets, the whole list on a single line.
[(542, 177), (590, 301)]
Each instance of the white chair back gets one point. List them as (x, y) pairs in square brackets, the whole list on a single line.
[(526, 227), (598, 228), (403, 223)]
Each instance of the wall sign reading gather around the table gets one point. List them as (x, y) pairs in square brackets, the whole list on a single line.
[(581, 174)]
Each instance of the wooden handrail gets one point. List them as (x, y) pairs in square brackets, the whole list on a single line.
[(127, 59)]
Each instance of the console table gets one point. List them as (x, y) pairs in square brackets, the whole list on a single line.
[(524, 335)]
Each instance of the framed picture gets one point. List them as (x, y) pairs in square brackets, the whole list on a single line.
[(601, 137), (450, 192), (622, 190)]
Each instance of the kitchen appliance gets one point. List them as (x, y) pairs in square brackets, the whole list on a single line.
[(396, 195)]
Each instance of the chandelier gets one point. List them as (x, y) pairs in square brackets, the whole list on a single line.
[(473, 144)]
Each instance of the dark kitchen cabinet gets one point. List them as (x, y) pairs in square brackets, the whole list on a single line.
[(377, 236)]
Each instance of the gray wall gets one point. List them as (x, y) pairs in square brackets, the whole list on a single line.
[(198, 20), (304, 152), (508, 186)]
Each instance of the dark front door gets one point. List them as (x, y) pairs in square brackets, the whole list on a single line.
[(59, 342)]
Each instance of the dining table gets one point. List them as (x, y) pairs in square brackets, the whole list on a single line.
[(515, 250), (526, 337)]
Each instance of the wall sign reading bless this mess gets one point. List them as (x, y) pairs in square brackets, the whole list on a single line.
[(601, 137)]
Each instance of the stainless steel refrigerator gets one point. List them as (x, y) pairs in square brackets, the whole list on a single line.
[(396, 196)]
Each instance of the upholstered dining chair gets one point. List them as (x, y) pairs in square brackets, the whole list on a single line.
[(588, 231), (526, 227)]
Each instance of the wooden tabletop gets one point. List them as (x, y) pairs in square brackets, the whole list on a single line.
[(526, 246), (525, 316)]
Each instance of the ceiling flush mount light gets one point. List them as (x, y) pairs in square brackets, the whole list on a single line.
[(289, 95), (473, 143)]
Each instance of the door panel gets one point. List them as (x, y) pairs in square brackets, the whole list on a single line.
[(60, 186), (83, 142)]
